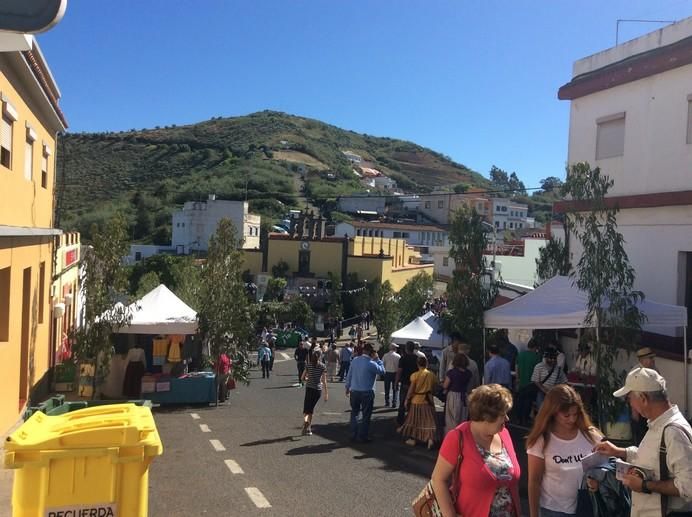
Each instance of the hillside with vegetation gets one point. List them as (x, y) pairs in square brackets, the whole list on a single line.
[(264, 157)]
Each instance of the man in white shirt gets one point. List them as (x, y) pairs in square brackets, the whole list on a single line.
[(666, 449), (391, 365)]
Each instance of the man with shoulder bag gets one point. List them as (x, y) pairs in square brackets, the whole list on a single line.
[(665, 451)]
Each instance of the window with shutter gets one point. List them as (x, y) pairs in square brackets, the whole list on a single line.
[(44, 171), (29, 160), (6, 142), (610, 136)]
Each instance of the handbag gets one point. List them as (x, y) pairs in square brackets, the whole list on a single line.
[(425, 504), (230, 383)]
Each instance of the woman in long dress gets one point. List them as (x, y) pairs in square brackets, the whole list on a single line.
[(420, 422), (455, 386)]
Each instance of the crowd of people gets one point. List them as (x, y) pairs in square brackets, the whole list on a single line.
[(477, 472)]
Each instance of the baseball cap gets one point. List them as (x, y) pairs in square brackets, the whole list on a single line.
[(645, 352), (642, 379)]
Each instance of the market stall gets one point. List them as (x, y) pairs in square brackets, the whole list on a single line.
[(559, 304), (423, 329), (155, 353)]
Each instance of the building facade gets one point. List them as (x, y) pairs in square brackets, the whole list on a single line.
[(64, 293), (310, 260), (413, 234), (194, 225), (631, 115), (515, 261), (30, 121)]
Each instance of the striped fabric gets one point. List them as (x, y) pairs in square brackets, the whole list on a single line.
[(314, 375)]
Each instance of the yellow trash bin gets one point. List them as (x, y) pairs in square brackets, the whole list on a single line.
[(92, 462)]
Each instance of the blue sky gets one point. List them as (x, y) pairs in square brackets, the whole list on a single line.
[(474, 79)]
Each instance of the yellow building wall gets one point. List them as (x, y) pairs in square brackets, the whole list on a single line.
[(25, 203), (368, 268), (325, 256), (399, 277), (252, 260), (18, 254)]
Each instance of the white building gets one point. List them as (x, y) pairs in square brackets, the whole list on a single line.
[(515, 262), (426, 239), (197, 221), (440, 206), (362, 204), (508, 215), (631, 115), (352, 157), (384, 183)]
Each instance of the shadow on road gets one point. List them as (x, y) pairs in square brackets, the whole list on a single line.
[(271, 440), (280, 387), (314, 449), (386, 446)]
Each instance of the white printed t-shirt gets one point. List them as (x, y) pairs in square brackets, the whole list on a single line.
[(563, 473)]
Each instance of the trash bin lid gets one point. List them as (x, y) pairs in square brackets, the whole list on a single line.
[(114, 425)]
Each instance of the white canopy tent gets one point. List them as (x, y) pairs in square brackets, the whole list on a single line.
[(161, 312), (423, 329), (559, 304)]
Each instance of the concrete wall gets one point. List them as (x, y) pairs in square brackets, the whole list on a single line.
[(656, 241), (656, 156)]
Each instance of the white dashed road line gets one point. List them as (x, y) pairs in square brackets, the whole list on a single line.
[(285, 357), (204, 428), (256, 497), (233, 467), (218, 446), (194, 416)]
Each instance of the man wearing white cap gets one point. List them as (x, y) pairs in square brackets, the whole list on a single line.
[(666, 449)]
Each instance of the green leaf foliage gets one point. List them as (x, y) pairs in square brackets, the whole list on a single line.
[(385, 311), (606, 276), (236, 158), (553, 260), (467, 294), (226, 318), (412, 297), (103, 282)]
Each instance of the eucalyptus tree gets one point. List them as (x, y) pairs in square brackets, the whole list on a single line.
[(604, 273), (226, 316), (104, 285), (473, 287)]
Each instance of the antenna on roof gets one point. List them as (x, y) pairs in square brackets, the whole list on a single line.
[(617, 26)]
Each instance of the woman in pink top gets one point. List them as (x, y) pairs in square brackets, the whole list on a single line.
[(489, 471)]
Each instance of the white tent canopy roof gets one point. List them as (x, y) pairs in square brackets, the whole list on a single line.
[(559, 304), (161, 312), (423, 329)]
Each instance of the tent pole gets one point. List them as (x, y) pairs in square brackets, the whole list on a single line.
[(684, 362), (484, 354)]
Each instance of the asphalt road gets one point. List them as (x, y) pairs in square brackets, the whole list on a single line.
[(247, 457)]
